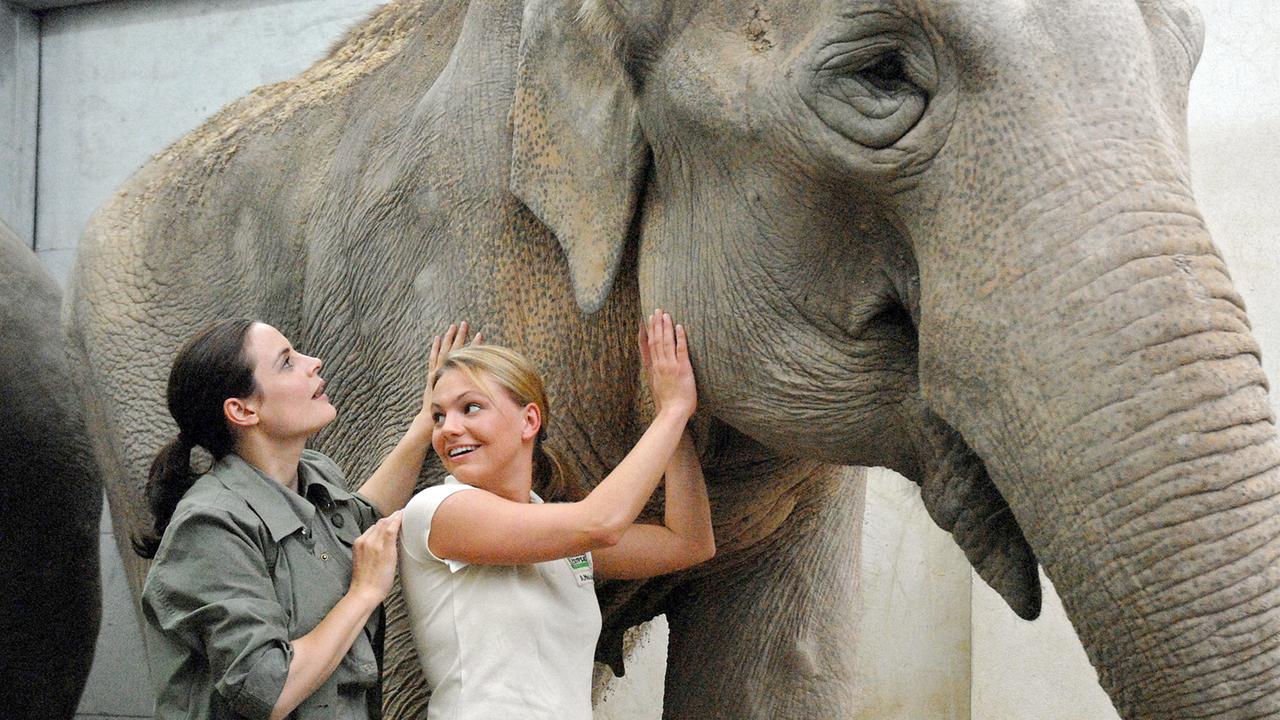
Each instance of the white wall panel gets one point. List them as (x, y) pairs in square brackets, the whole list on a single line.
[(1235, 155), (914, 637), (123, 80)]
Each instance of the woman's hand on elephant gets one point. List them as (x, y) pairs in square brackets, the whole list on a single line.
[(391, 485), (441, 345), (664, 355), (373, 558)]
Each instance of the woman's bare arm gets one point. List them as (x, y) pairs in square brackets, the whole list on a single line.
[(684, 539), (391, 485)]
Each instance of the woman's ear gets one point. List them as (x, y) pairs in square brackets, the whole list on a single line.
[(532, 422), (240, 413)]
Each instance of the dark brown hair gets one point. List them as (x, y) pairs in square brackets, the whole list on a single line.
[(209, 368)]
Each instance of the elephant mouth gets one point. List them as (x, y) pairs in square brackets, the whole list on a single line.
[(961, 498), (956, 489)]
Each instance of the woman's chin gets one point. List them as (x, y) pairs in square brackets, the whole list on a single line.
[(463, 473)]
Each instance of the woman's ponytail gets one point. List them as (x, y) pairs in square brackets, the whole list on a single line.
[(210, 368), (168, 480), (553, 477)]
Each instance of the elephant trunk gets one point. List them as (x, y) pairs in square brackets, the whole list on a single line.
[(1167, 559), (1117, 399)]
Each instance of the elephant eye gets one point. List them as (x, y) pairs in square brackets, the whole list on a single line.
[(867, 90), (888, 72)]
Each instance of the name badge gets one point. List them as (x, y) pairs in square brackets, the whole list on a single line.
[(581, 567)]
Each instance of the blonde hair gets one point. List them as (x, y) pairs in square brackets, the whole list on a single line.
[(553, 479)]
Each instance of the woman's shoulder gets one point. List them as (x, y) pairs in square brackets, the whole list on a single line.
[(418, 513), (427, 499), (210, 501), (208, 523)]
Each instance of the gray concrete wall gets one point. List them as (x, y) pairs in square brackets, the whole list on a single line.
[(19, 91), (120, 80)]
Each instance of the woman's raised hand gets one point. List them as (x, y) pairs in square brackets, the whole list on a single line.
[(391, 485), (664, 354), (454, 338)]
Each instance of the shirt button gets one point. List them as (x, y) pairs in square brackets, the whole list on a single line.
[(305, 532), (324, 556), (337, 520)]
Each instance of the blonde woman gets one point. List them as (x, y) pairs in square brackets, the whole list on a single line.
[(498, 583)]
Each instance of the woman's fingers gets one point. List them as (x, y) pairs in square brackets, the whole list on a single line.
[(373, 557), (434, 359), (654, 336), (661, 337), (454, 338), (446, 342), (670, 374), (668, 338), (459, 337)]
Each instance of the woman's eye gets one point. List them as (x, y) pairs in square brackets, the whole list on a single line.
[(437, 417), (288, 362), (472, 407)]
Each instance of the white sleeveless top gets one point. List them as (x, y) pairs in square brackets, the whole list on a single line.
[(498, 641)]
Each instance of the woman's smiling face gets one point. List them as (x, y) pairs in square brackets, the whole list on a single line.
[(290, 400), (480, 432)]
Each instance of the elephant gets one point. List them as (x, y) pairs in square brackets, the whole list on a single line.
[(952, 238), (51, 500)]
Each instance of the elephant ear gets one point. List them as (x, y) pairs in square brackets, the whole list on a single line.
[(578, 156)]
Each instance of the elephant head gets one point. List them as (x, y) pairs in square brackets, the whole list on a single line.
[(957, 239)]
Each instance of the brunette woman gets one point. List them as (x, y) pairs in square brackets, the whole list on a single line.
[(264, 597)]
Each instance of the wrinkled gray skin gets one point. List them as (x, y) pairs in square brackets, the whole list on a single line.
[(952, 237), (50, 499)]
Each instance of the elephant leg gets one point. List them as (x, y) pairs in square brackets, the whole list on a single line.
[(772, 634)]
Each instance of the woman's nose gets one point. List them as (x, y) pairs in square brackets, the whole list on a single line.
[(451, 424)]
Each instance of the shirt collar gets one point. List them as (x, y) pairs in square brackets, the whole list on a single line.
[(313, 485), (533, 496), (283, 511)]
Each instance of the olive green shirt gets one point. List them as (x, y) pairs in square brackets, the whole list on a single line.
[(246, 566)]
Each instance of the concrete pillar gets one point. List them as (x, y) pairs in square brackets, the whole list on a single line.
[(19, 91)]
